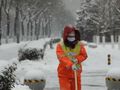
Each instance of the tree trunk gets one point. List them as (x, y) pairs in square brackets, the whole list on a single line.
[(116, 38), (28, 31), (46, 29), (22, 27), (1, 3), (43, 31), (8, 27), (31, 32), (119, 42), (49, 28), (0, 24), (36, 30), (46, 26), (17, 26)]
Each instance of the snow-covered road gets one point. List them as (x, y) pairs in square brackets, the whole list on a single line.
[(95, 68), (91, 80), (94, 79)]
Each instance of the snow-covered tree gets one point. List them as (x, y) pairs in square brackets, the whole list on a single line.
[(88, 18), (32, 19), (99, 18)]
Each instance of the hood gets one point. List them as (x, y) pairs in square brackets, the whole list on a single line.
[(68, 29)]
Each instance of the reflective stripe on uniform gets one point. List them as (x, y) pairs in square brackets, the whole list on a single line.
[(68, 51)]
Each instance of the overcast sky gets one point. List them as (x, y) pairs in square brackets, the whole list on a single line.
[(72, 5)]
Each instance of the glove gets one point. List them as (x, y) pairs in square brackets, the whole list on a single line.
[(72, 54), (74, 60), (75, 67)]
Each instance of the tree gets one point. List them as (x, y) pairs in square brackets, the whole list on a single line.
[(7, 7), (100, 17), (32, 18), (88, 19), (1, 5)]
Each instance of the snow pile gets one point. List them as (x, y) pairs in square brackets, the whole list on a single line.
[(33, 50), (78, 11), (35, 75), (21, 87), (38, 43), (8, 46), (3, 63), (114, 73), (30, 69)]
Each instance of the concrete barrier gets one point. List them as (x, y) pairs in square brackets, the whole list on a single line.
[(113, 79), (112, 83), (35, 79), (35, 84)]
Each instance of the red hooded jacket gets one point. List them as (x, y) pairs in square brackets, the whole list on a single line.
[(65, 64)]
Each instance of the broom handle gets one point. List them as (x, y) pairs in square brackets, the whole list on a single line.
[(76, 85)]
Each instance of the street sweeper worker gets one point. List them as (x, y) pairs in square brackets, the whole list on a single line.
[(70, 53)]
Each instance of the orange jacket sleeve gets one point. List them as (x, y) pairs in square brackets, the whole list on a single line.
[(83, 55), (62, 58)]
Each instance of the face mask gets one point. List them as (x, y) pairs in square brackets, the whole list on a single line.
[(71, 39)]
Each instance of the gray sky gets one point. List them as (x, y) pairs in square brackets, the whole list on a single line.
[(72, 5)]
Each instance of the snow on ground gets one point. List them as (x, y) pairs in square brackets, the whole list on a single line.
[(9, 51), (38, 44), (97, 58), (21, 87), (114, 73), (35, 75), (30, 70), (95, 67)]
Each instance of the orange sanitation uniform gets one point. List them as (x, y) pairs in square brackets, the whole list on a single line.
[(65, 72), (66, 51)]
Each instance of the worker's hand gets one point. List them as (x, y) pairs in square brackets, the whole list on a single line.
[(75, 67), (74, 60)]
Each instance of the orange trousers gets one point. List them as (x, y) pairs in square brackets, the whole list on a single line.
[(69, 83)]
